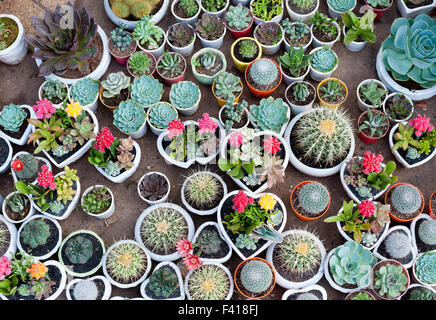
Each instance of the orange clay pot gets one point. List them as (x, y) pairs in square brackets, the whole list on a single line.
[(269, 291), (258, 93), (390, 213), (432, 214), (300, 216)]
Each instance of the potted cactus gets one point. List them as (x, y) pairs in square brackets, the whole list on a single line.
[(406, 201), (160, 115), (13, 124), (181, 38), (269, 10), (310, 200), (98, 201), (337, 7), (171, 67), (211, 30), (373, 125), (255, 278), (390, 279), (154, 187), (245, 50), (419, 292), (323, 62), (424, 268), (398, 107), (94, 288), (54, 91), (227, 87), (423, 233), (296, 35), (263, 77), (214, 7), (129, 118), (121, 44), (81, 253), (300, 96), (432, 205), (301, 10), (17, 207), (141, 64), (114, 90), (206, 64), (85, 92), (149, 37), (379, 6), (239, 21), (186, 11), (8, 238), (25, 166), (210, 245), (185, 97), (358, 31), (13, 48), (370, 94), (234, 116), (270, 36), (332, 92), (325, 31), (271, 114), (146, 91)]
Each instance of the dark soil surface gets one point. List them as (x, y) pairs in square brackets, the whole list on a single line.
[(223, 250), (411, 5), (11, 28), (299, 208), (100, 287), (116, 100), (4, 151), (17, 135), (290, 94), (218, 65), (15, 215), (51, 242)]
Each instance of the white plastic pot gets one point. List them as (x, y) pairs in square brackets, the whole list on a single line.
[(362, 105), (158, 51), (317, 43), (413, 230), (125, 285), (197, 211), (396, 120), (315, 172), (318, 75), (296, 109), (23, 139), (4, 167), (247, 113), (416, 285), (184, 51), (296, 16), (128, 173), (306, 289), (92, 106), (337, 14), (330, 279), (59, 105), (104, 215), (273, 49), (31, 210), (191, 110), (158, 257), (55, 248), (12, 229), (354, 45), (283, 128), (17, 51), (216, 260), (219, 13), (164, 199), (107, 287), (288, 46), (431, 285), (216, 44), (413, 13), (190, 21), (155, 130), (287, 284), (277, 18)]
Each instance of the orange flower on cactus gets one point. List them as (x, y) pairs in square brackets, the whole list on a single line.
[(38, 270), (192, 261), (184, 246)]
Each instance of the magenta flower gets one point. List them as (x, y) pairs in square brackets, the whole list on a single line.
[(240, 201), (5, 267), (271, 145), (421, 124), (175, 128), (206, 124), (367, 208), (371, 162), (184, 246), (103, 140), (236, 138), (43, 109), (45, 178), (192, 261)]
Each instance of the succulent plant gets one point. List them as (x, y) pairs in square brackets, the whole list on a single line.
[(238, 17), (112, 169), (97, 201), (163, 282), (351, 264), (56, 207), (373, 94), (248, 49), (227, 86), (375, 122), (171, 62), (272, 170), (256, 276), (17, 203), (184, 94), (138, 8), (208, 282), (121, 38), (325, 25), (406, 199), (30, 166), (263, 72), (85, 290), (359, 29), (390, 280), (295, 61), (78, 249), (210, 27), (12, 117), (270, 114), (301, 91), (161, 114), (114, 83), (342, 5), (129, 117), (55, 90), (233, 112), (148, 34), (331, 90), (62, 49), (295, 31), (362, 296), (369, 239), (364, 192), (313, 197), (180, 35), (146, 90), (189, 7), (35, 233), (268, 33), (251, 180), (412, 153), (379, 3), (208, 59), (422, 293), (140, 63), (153, 187), (307, 296), (323, 60), (400, 107), (417, 54), (405, 137), (302, 4), (397, 245), (266, 9), (213, 5), (208, 242), (84, 91), (245, 241), (64, 183), (425, 267), (427, 232)]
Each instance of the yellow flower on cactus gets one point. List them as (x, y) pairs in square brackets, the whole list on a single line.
[(73, 109), (38, 270), (267, 202)]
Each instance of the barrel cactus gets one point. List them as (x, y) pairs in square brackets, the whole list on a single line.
[(390, 280), (114, 83), (256, 276), (184, 94), (425, 267), (163, 282), (406, 199), (263, 72), (30, 166), (313, 197), (323, 60), (146, 90), (409, 53), (161, 114), (129, 117), (427, 232), (84, 91), (397, 245), (270, 114), (35, 233), (342, 5), (12, 117), (78, 250)]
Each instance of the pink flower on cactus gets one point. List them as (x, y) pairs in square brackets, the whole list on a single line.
[(240, 201), (236, 138), (45, 178), (206, 124), (371, 162), (43, 109), (367, 208), (175, 128), (5, 267), (421, 124), (192, 261), (103, 140), (271, 145), (184, 246)]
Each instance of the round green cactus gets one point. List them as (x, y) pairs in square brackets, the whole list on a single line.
[(390, 280), (263, 72), (146, 90), (256, 276), (397, 245), (84, 91), (129, 117), (422, 293), (163, 282), (270, 114), (161, 114), (30, 166), (313, 197), (79, 249), (114, 83), (35, 233), (425, 268), (209, 242), (12, 117), (184, 94), (406, 199), (427, 232)]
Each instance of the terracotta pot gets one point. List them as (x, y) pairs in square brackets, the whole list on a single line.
[(326, 103), (390, 213), (382, 263), (258, 93), (379, 12), (222, 102), (366, 139), (354, 293), (300, 216), (121, 60), (170, 81), (432, 213)]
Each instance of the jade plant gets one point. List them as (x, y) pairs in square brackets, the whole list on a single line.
[(140, 63), (129, 117), (323, 60), (114, 84), (342, 5), (146, 90), (227, 86), (359, 29), (270, 114), (184, 94), (238, 17), (268, 33), (98, 200), (210, 27), (256, 276), (161, 114), (390, 280), (147, 34), (180, 35), (12, 118), (266, 9), (84, 91)]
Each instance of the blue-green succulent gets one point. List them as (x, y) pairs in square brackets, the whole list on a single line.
[(184, 94), (84, 91), (161, 114), (369, 239), (12, 117), (342, 5), (270, 114), (263, 72), (323, 60), (412, 153), (256, 276), (146, 90), (112, 169), (313, 197), (56, 206), (406, 199), (227, 86), (245, 241), (364, 192), (425, 267), (390, 280), (129, 117)]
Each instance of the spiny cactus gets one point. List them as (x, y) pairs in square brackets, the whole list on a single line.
[(163, 282), (208, 242), (79, 250), (35, 233), (85, 290), (136, 8), (313, 197), (390, 280), (12, 117), (263, 72), (307, 296), (406, 199), (208, 282), (425, 267), (427, 232), (203, 189), (30, 166), (256, 276), (397, 245)]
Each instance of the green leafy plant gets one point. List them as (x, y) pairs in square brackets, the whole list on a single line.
[(342, 5), (390, 280), (148, 35), (359, 28), (189, 7), (324, 24), (362, 296), (296, 32), (161, 114), (379, 3), (301, 91), (422, 293), (295, 61), (375, 122), (233, 112), (404, 137), (97, 201), (425, 267), (266, 9), (248, 49), (214, 5), (140, 63), (129, 117), (382, 179), (184, 94)]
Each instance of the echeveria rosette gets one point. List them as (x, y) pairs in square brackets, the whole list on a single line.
[(270, 114), (342, 5), (146, 90), (161, 114), (410, 50), (129, 117), (84, 91), (12, 117), (184, 94), (323, 60)]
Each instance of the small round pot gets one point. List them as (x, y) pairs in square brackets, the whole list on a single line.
[(382, 263), (219, 13), (152, 73), (395, 217), (396, 120), (54, 105), (155, 130), (303, 17), (216, 44), (277, 18), (326, 103), (362, 105), (288, 45), (318, 75), (299, 215), (164, 199), (415, 278), (337, 14), (111, 108), (222, 102), (432, 213), (4, 167), (203, 78), (92, 106), (356, 292), (316, 287), (31, 210), (273, 49), (290, 80), (12, 229), (170, 81), (104, 215), (232, 129), (190, 21), (240, 65), (366, 139), (186, 50), (317, 43), (191, 110), (121, 60), (242, 291), (107, 287), (296, 109), (158, 51), (258, 93), (17, 51), (354, 45), (379, 12), (242, 33)]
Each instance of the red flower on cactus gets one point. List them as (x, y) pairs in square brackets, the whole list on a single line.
[(17, 165), (240, 201), (43, 109), (236, 138), (45, 178), (206, 124), (192, 261), (175, 128), (103, 140), (184, 246), (371, 162), (271, 145), (421, 124), (367, 208)]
